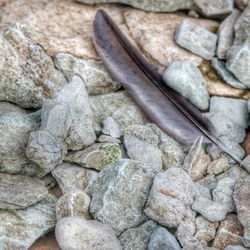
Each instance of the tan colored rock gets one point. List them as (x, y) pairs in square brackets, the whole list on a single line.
[(218, 166)]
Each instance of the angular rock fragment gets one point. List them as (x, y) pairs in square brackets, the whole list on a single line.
[(170, 198), (76, 233), (111, 128), (186, 79), (66, 125), (28, 75), (235, 247), (20, 191), (209, 181), (21, 228), (96, 156), (73, 203), (93, 72), (137, 238), (235, 172), (218, 166), (246, 164), (196, 39), (202, 191), (119, 194)]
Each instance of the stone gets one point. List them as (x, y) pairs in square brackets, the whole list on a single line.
[(211, 210), (225, 74), (74, 233), (119, 194), (119, 106), (93, 72), (141, 145), (238, 61), (230, 232), (19, 191), (235, 172), (162, 239), (14, 133), (197, 160), (246, 143), (223, 193), (185, 78), (66, 125), (218, 166), (49, 181), (202, 191), (107, 138), (204, 230), (214, 8), (111, 128), (196, 39), (226, 34), (241, 198), (28, 75), (71, 176), (235, 247), (241, 4), (154, 34), (160, 6), (170, 198), (7, 107), (209, 181), (73, 203), (246, 164), (137, 238), (21, 228), (97, 156)]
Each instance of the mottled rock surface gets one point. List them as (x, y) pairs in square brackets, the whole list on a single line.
[(6, 107), (196, 39), (246, 164), (111, 128), (119, 194), (76, 233), (66, 125), (186, 79), (218, 166)]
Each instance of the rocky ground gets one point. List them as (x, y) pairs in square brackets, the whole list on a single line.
[(81, 167)]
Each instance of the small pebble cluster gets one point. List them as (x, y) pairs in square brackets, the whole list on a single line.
[(122, 183)]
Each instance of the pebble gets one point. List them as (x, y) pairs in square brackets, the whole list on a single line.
[(246, 164), (28, 75), (97, 156), (170, 198), (202, 191), (214, 8), (162, 239), (208, 181), (196, 39), (111, 128), (235, 172), (225, 74), (223, 193), (73, 203), (185, 78), (92, 71), (119, 194), (137, 238), (211, 210), (74, 233), (226, 34), (235, 247), (66, 125), (218, 166)]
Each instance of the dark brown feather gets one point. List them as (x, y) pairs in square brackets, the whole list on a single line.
[(168, 109)]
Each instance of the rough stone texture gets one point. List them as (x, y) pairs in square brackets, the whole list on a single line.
[(70, 176), (238, 62), (141, 144), (28, 75), (236, 247), (246, 143), (186, 79), (241, 4), (235, 172), (14, 133), (209, 181), (66, 125), (211, 8), (154, 34), (246, 164), (21, 228), (7, 107), (162, 239), (242, 201), (196, 39), (197, 160), (137, 238), (223, 193), (107, 138), (213, 211), (19, 191), (117, 105), (218, 166), (74, 233), (73, 203), (229, 233), (97, 156), (226, 75), (111, 128), (93, 72), (151, 5), (171, 195), (226, 34), (119, 194), (202, 191)]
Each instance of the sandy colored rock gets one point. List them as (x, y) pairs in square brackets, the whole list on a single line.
[(218, 166)]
